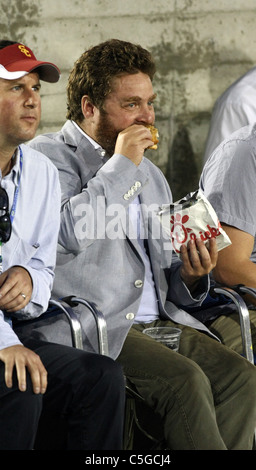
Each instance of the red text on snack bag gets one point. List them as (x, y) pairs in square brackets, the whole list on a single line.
[(181, 234)]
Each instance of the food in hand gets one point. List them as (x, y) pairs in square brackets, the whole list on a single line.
[(154, 134)]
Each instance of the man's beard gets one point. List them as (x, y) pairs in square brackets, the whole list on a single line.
[(106, 134)]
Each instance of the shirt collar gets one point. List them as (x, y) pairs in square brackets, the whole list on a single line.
[(14, 172), (95, 144)]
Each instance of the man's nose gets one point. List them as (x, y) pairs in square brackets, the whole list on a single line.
[(146, 114), (31, 99)]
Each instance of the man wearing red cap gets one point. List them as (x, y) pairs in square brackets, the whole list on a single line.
[(18, 60), (36, 377)]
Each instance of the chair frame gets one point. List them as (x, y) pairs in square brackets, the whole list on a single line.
[(244, 316), (66, 305)]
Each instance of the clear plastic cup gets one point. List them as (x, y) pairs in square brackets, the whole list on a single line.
[(166, 335)]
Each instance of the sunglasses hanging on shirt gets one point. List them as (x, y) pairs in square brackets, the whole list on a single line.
[(5, 220)]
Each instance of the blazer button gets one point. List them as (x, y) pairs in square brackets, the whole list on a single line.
[(138, 283), (129, 316)]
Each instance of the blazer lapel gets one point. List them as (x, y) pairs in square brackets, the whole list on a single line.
[(90, 156)]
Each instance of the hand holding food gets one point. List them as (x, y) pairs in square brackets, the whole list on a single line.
[(133, 140), (154, 134)]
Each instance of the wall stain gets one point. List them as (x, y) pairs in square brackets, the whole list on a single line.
[(16, 16)]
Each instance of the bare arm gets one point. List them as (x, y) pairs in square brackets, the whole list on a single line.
[(234, 265)]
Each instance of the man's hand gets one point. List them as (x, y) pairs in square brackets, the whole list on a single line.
[(20, 357), (14, 282), (132, 142), (197, 261)]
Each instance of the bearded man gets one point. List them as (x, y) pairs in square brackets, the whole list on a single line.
[(112, 251)]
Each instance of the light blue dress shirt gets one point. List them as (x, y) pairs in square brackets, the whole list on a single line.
[(33, 243), (148, 309)]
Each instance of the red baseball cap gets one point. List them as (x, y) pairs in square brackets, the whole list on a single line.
[(18, 60)]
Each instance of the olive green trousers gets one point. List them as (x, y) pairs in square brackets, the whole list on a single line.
[(205, 393), (227, 328)]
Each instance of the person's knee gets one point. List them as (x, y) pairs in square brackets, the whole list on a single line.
[(187, 389), (102, 370), (193, 379), (112, 372), (247, 376), (25, 405), (28, 396)]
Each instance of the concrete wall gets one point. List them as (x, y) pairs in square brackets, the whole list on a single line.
[(200, 47)]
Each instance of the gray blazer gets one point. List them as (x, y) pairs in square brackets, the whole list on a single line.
[(98, 254)]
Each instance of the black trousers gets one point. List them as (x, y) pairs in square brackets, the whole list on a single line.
[(85, 391)]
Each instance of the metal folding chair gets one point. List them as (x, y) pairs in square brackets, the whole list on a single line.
[(244, 315)]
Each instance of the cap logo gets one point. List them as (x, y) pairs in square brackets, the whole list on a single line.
[(24, 50)]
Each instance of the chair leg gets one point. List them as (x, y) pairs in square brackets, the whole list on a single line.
[(244, 320)]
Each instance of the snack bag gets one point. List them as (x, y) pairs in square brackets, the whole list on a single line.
[(192, 217)]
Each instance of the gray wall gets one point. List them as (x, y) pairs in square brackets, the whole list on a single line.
[(200, 47)]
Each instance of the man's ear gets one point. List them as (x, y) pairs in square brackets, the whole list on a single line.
[(87, 107)]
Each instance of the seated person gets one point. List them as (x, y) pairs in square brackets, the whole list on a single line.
[(111, 246), (227, 181), (39, 379), (235, 108)]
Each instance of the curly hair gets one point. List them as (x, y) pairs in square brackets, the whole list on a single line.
[(93, 72)]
